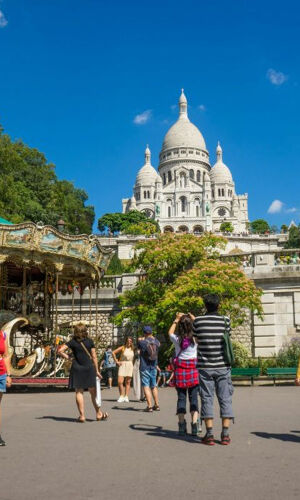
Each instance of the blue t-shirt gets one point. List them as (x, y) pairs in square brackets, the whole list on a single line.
[(109, 361), (145, 362)]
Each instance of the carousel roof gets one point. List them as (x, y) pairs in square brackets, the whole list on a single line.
[(4, 221), (46, 248)]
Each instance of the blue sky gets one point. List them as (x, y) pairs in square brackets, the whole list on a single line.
[(75, 74)]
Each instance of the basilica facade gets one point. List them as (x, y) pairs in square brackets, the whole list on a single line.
[(187, 194)]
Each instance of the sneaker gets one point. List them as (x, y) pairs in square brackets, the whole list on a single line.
[(195, 429), (209, 440), (121, 399), (2, 442), (126, 399), (182, 428), (225, 440)]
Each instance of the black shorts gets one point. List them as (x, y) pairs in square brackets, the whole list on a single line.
[(109, 372)]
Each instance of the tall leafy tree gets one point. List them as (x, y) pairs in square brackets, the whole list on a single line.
[(294, 238), (259, 226), (178, 272), (133, 222), (31, 191)]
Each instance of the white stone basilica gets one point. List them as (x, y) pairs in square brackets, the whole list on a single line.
[(187, 194)]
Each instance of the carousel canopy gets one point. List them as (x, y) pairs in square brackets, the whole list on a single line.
[(4, 221)]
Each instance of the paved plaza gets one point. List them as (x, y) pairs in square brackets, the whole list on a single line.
[(140, 456)]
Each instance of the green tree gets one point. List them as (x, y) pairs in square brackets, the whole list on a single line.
[(144, 227), (126, 223), (226, 227), (284, 228), (31, 191), (179, 271), (259, 226), (115, 266), (294, 238)]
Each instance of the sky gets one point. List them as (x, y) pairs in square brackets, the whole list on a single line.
[(91, 82)]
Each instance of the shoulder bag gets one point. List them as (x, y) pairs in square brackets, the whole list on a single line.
[(227, 345)]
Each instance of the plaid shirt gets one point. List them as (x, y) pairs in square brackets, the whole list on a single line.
[(186, 373)]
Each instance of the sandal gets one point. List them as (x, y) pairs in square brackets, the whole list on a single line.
[(156, 408), (81, 420), (208, 440), (149, 409), (103, 417), (225, 440)]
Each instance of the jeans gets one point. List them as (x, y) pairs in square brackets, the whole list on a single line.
[(193, 398), (219, 380)]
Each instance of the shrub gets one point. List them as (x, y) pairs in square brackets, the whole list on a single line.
[(289, 353), (241, 355)]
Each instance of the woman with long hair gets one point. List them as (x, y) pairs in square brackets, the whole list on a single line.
[(84, 369), (125, 364), (5, 379), (186, 373)]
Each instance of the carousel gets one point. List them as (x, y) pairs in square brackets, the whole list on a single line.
[(37, 264)]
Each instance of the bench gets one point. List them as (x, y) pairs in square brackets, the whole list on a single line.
[(287, 373), (246, 373)]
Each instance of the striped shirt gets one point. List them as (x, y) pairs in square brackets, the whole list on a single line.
[(209, 332)]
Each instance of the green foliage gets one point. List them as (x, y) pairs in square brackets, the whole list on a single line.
[(226, 227), (115, 266), (179, 271), (146, 228), (289, 354), (294, 238), (259, 226), (133, 222), (241, 355), (284, 228), (31, 191)]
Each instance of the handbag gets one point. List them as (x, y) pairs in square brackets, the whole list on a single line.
[(227, 345), (98, 384)]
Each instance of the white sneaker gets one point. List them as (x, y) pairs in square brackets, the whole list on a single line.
[(126, 400), (121, 399)]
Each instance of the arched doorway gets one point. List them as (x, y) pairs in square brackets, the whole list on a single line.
[(168, 229), (198, 230), (183, 229)]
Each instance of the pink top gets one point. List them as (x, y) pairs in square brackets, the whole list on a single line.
[(2, 351)]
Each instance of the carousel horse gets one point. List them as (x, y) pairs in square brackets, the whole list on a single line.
[(27, 362)]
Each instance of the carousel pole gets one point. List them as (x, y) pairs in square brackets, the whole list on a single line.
[(97, 295), (72, 317), (90, 288), (56, 320), (24, 292)]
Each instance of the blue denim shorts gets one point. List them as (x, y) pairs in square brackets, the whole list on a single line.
[(2, 383), (148, 377)]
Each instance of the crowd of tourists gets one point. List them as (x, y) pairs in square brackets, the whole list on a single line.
[(199, 369)]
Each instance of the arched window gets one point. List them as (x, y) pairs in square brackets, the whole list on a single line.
[(169, 176), (223, 193), (145, 194), (183, 202), (213, 193), (192, 175), (197, 206), (169, 211), (198, 176), (219, 192), (148, 194), (169, 207), (182, 180), (164, 179)]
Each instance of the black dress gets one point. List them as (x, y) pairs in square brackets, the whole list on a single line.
[(82, 373)]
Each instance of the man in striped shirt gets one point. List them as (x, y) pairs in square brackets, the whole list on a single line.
[(214, 372)]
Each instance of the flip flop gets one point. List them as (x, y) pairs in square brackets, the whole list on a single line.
[(103, 417)]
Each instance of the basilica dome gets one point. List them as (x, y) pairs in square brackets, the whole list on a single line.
[(147, 175), (183, 133), (220, 173)]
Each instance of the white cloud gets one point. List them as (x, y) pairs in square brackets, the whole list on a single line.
[(202, 107), (291, 210), (143, 117), (276, 77), (3, 20), (275, 207)]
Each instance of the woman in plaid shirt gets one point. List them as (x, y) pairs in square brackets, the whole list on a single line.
[(186, 373)]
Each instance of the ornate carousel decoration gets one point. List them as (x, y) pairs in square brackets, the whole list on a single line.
[(37, 263)]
